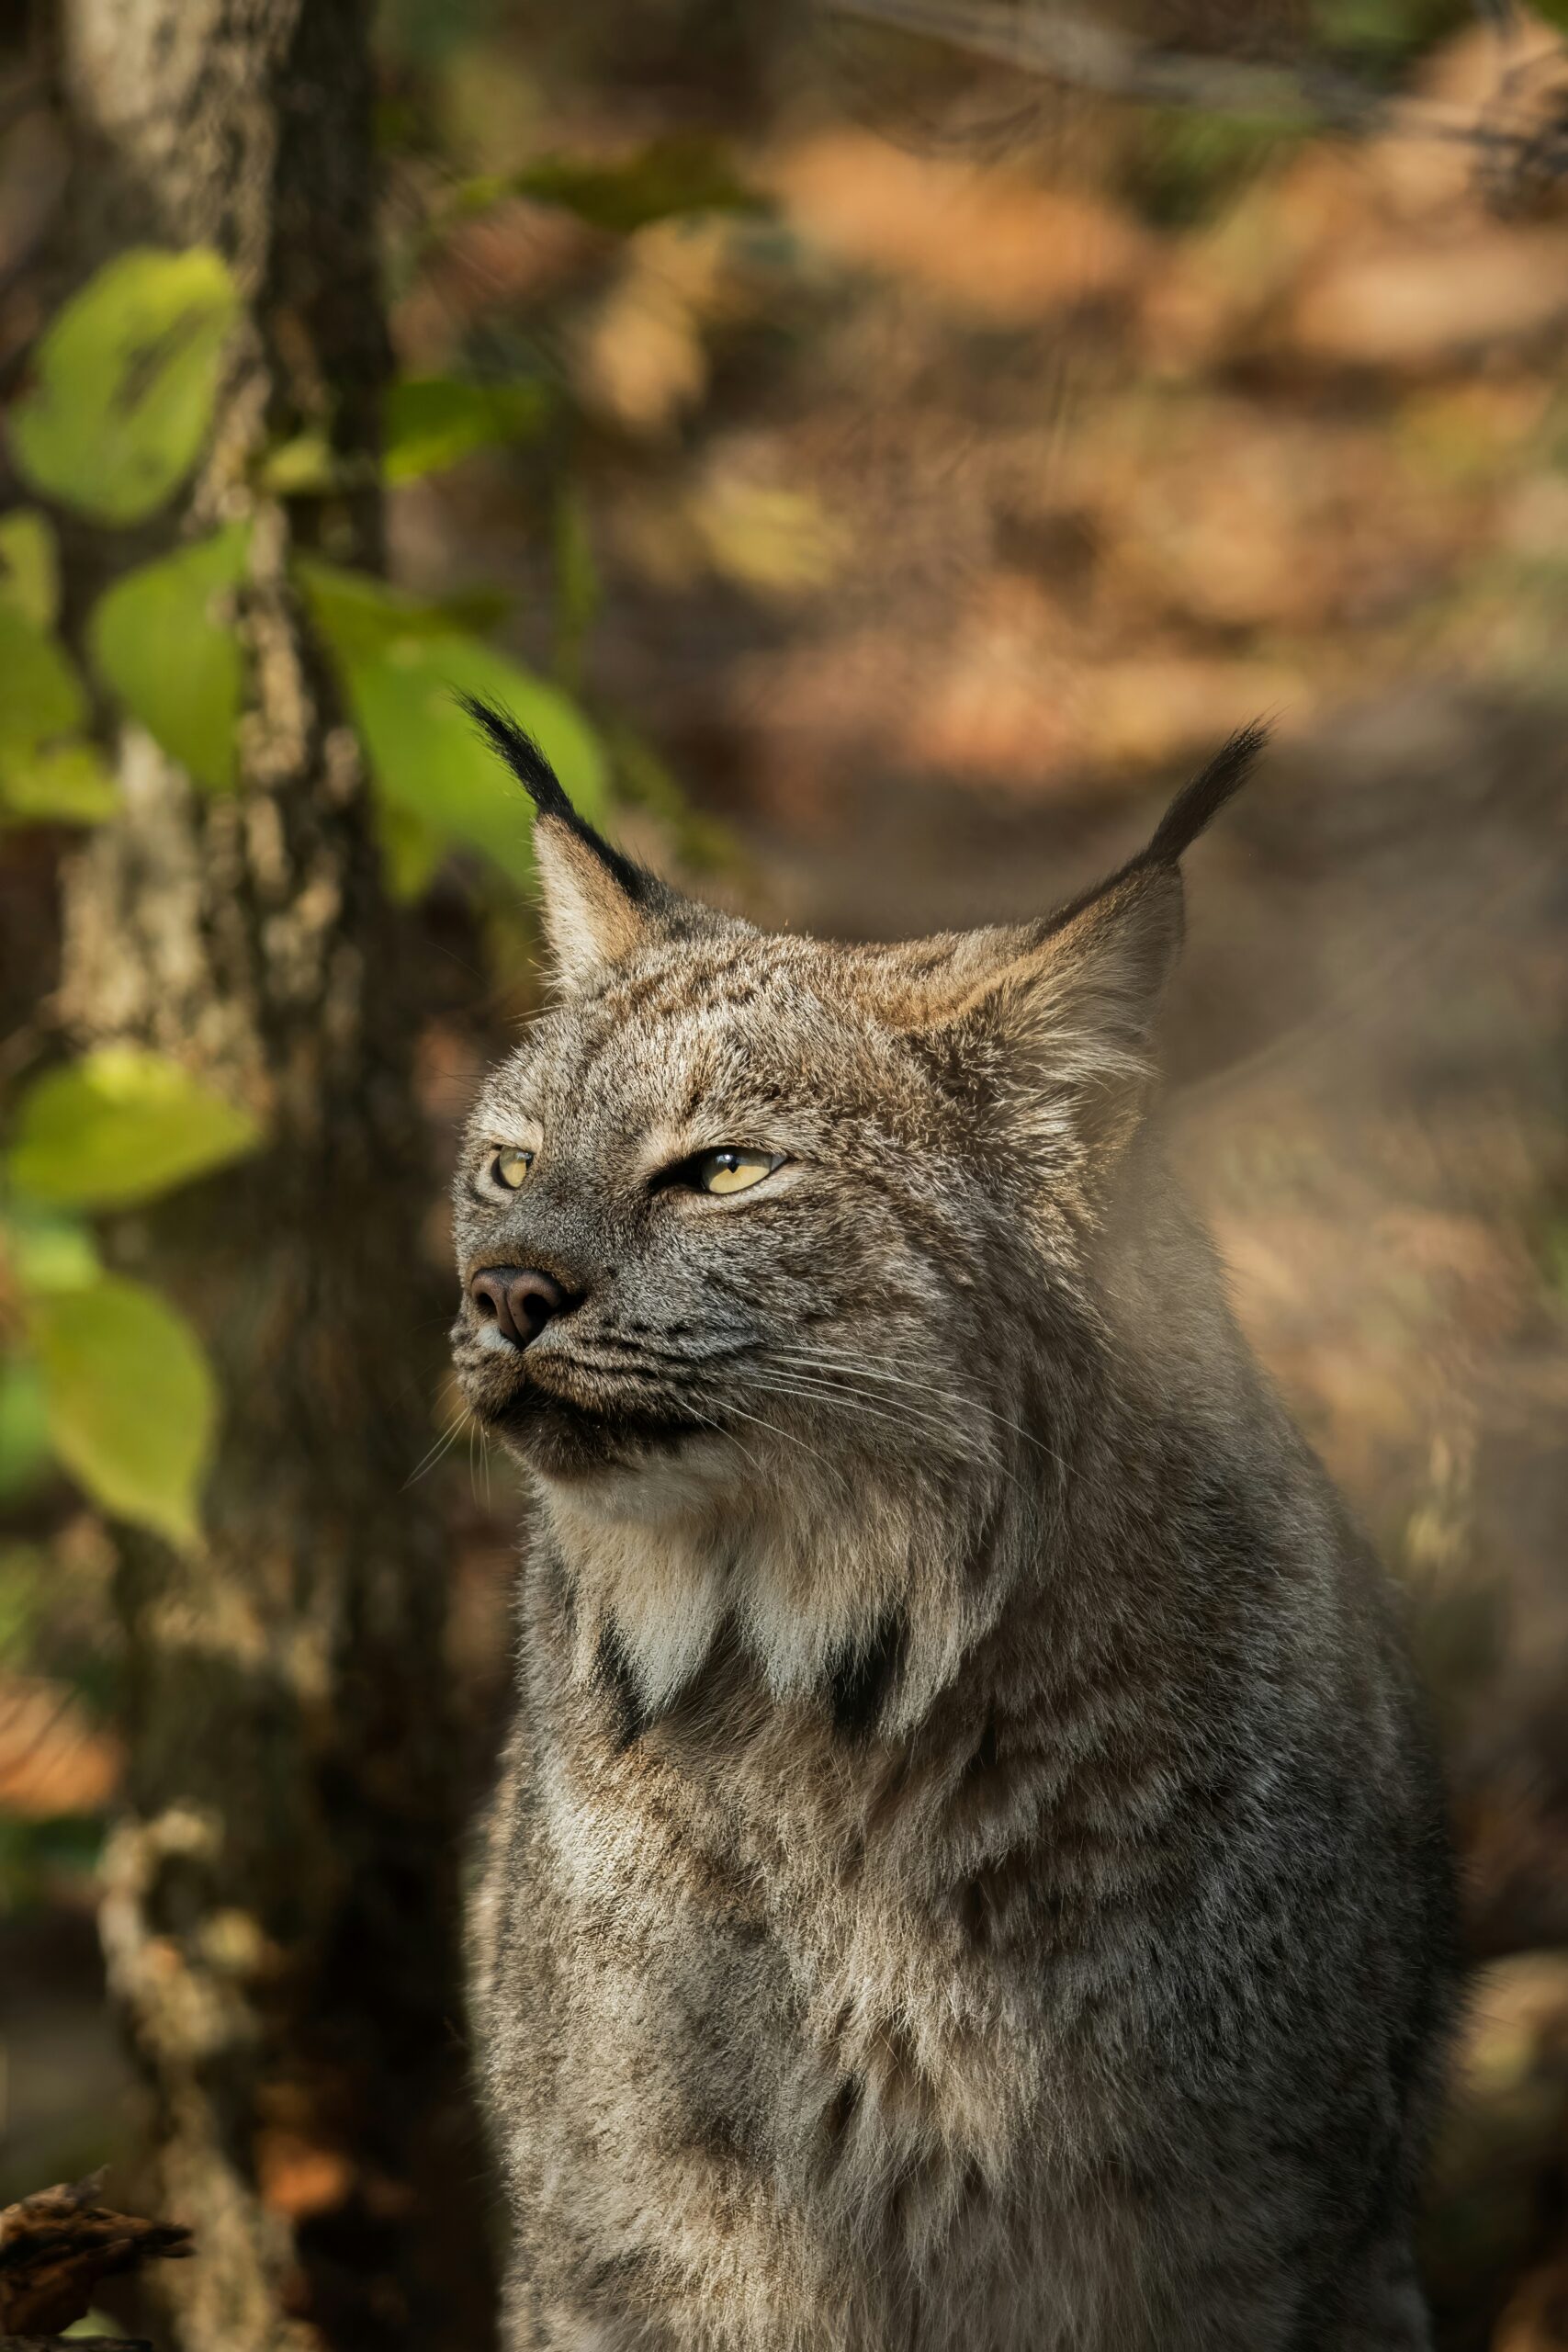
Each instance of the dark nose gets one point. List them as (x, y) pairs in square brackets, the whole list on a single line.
[(520, 1299)]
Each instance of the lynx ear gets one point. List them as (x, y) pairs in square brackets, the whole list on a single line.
[(1056, 1047), (1056, 1029), (598, 907)]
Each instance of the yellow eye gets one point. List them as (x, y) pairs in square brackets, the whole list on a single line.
[(510, 1167), (731, 1171)]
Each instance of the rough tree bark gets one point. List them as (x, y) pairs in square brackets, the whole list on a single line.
[(278, 1919)]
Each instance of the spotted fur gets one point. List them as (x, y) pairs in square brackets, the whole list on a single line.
[(965, 1874)]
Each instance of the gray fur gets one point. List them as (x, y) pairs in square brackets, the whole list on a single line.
[(966, 1873)]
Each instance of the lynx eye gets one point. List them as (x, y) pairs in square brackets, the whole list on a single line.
[(732, 1171), (510, 1165)]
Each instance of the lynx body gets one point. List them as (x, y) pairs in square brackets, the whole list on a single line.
[(966, 1875)]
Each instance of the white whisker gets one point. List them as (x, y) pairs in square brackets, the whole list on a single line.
[(774, 1431), (823, 1360), (708, 1422), (438, 1448), (792, 1384)]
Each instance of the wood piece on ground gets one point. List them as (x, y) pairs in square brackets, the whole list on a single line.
[(56, 2246)]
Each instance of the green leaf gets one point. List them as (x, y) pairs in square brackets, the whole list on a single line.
[(24, 1438), (49, 1248), (428, 758), (131, 1400), (127, 380), (122, 1126), (432, 421), (163, 640), (403, 664), (67, 784), (412, 851), (41, 698), (300, 468), (359, 616), (29, 565), (685, 173), (41, 695)]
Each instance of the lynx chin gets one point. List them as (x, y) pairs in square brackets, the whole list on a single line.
[(966, 1874)]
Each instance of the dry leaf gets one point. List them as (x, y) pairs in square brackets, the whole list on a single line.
[(52, 1758)]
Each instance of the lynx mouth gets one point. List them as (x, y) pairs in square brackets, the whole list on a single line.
[(561, 1423), (563, 1437)]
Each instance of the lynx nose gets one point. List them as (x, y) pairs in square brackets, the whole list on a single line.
[(519, 1300)]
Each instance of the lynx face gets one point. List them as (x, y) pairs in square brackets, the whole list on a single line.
[(768, 1230), (751, 1206)]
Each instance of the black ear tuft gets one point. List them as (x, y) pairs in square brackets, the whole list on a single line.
[(1200, 801), (1195, 805), (547, 793), (523, 757)]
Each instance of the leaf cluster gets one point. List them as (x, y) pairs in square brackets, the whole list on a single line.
[(98, 1374)]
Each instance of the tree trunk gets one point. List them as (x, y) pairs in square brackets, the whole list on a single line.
[(280, 1905)]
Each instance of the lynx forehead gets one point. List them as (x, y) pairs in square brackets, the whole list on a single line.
[(966, 1872)]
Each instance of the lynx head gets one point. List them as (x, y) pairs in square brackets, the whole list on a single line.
[(749, 1209)]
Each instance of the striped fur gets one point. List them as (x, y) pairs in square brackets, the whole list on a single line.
[(966, 1873)]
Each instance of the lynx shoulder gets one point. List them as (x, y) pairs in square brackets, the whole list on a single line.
[(966, 1874)]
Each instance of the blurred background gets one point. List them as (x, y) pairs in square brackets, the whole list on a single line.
[(879, 450)]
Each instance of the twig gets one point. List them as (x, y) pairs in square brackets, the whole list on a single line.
[(1101, 58)]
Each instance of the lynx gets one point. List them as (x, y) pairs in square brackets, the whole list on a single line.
[(966, 1874)]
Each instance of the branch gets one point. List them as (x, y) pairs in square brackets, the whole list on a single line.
[(1085, 55)]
